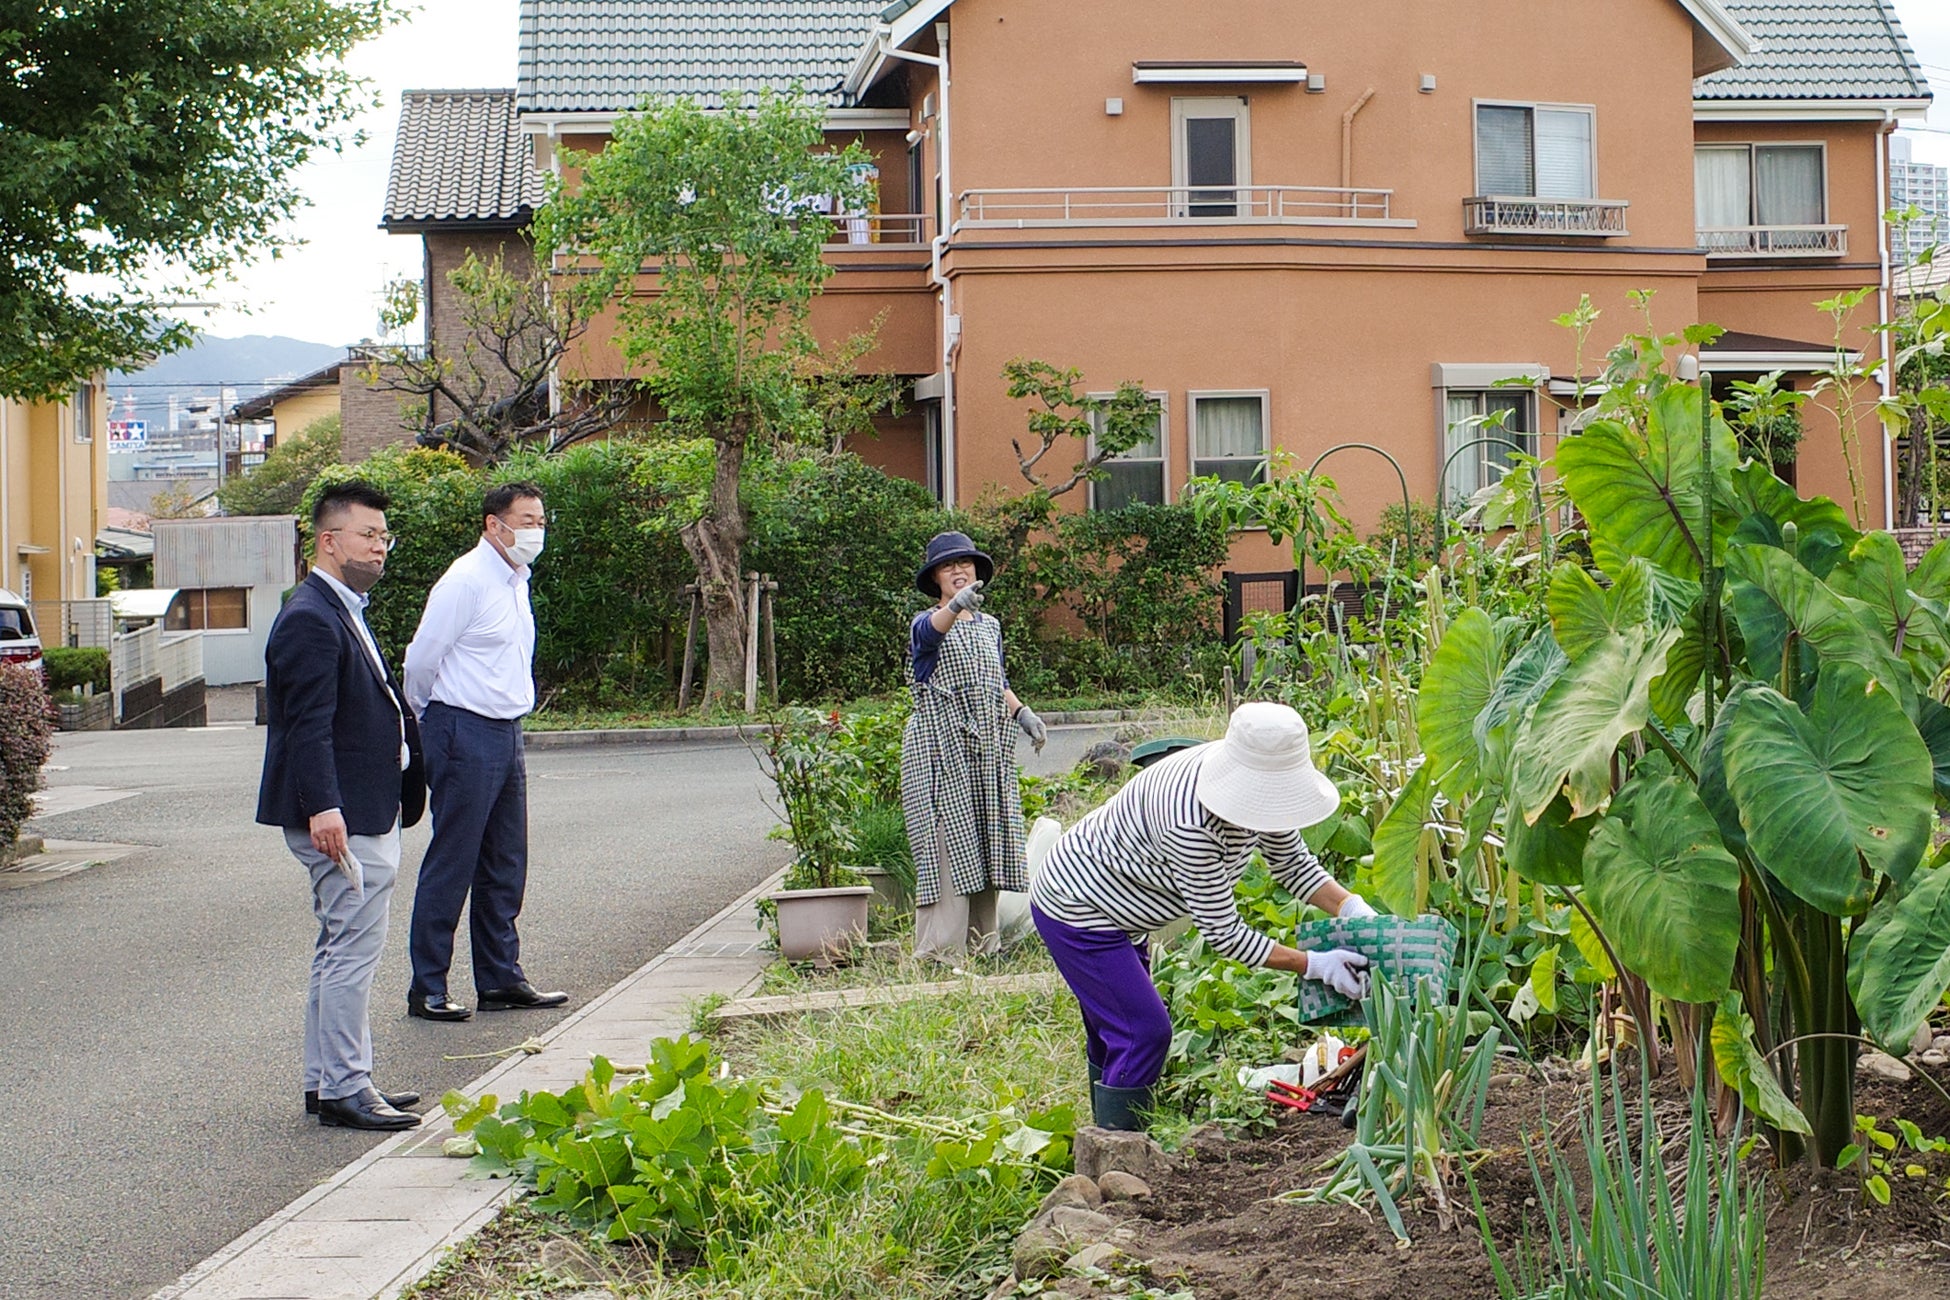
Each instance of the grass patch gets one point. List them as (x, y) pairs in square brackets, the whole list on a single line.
[(902, 1235)]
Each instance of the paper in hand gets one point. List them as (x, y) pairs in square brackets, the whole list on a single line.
[(355, 874)]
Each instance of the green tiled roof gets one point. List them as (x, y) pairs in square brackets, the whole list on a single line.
[(1819, 49), (597, 56)]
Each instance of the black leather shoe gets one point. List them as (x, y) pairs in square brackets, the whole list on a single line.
[(522, 995), (436, 1006), (397, 1100), (365, 1110)]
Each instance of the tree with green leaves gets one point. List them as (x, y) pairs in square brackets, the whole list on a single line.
[(278, 485), (727, 206), (146, 151), (502, 383)]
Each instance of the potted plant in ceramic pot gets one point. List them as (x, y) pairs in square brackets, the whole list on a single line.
[(822, 910)]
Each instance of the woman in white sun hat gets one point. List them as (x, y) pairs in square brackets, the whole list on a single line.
[(1170, 845)]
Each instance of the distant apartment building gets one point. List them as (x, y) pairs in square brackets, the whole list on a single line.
[(1924, 186)]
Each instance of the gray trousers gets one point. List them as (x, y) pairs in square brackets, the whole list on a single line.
[(351, 935), (959, 924)]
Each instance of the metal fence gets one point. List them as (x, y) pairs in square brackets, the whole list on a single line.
[(74, 622)]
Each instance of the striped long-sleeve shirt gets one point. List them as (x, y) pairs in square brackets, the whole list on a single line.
[(1153, 855)]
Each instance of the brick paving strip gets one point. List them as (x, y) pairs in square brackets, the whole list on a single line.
[(387, 1218)]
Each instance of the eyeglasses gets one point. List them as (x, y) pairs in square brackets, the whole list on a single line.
[(388, 540)]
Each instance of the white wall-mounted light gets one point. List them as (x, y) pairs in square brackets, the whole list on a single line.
[(1316, 83), (916, 136), (1428, 83)]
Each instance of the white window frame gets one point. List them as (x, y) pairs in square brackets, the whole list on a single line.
[(1476, 141), (1192, 397), (82, 412), (1239, 109), (1163, 398), (1476, 470), (1753, 188)]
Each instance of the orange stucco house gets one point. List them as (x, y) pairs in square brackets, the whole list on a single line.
[(1298, 224)]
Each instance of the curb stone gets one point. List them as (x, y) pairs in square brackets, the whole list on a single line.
[(539, 740), (299, 1252)]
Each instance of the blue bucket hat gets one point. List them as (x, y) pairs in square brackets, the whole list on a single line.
[(943, 547)]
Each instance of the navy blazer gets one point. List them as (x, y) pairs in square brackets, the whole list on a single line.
[(334, 723)]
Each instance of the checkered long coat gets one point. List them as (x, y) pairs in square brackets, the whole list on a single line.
[(958, 770)]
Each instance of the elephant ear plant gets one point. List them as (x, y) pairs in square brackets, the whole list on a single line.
[(1727, 748)]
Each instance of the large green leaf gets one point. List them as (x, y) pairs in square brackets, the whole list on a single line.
[(1595, 703), (1823, 530), (1672, 690), (1583, 614), (1747, 1072), (1935, 730), (1834, 797), (1529, 674), (1931, 576), (1898, 970), (1875, 574), (1459, 681), (1398, 840), (1551, 851), (1664, 886), (1713, 772), (1640, 492), (1841, 630)]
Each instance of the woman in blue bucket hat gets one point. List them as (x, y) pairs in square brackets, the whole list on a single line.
[(1172, 845), (958, 758)]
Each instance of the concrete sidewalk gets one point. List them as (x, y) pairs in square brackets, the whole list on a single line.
[(387, 1218)]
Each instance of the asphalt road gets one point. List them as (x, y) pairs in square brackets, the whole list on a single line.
[(151, 1008)]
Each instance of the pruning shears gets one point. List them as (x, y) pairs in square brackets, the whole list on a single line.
[(1330, 1090), (1291, 1095)]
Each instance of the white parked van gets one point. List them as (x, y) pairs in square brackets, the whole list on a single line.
[(19, 643)]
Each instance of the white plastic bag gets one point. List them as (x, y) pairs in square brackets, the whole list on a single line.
[(1012, 918)]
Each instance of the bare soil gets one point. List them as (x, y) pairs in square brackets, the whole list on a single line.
[(1213, 1227)]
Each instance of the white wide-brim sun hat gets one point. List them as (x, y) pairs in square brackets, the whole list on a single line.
[(1262, 775)]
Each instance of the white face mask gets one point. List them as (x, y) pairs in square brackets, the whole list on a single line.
[(527, 544)]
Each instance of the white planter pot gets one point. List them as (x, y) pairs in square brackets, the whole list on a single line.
[(822, 922)]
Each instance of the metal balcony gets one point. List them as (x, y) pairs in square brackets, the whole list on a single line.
[(1168, 205), (881, 229), (1503, 214), (1774, 241)]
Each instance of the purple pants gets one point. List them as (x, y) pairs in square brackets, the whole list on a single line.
[(1127, 1031)]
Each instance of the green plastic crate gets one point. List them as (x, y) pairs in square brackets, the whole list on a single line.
[(1403, 949)]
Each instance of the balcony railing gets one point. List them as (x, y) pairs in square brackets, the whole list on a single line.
[(1294, 205), (1513, 215), (895, 228), (1774, 241)]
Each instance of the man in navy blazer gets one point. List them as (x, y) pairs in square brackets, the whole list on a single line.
[(341, 775)]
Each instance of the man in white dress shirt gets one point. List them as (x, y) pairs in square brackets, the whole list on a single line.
[(469, 677)]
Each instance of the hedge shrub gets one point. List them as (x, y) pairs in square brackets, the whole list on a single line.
[(26, 731), (1127, 601), (69, 668)]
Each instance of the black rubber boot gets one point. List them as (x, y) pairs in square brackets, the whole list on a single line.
[(1119, 1108), (1096, 1075)]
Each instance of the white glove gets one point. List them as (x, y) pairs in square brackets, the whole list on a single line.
[(1340, 969), (969, 597), (1353, 907)]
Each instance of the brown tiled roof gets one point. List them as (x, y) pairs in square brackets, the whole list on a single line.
[(461, 159)]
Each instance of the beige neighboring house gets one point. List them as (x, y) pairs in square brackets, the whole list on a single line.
[(53, 496), (294, 407)]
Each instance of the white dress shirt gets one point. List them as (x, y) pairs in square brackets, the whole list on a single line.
[(356, 604), (475, 647)]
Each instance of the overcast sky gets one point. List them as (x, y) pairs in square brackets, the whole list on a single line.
[(328, 290)]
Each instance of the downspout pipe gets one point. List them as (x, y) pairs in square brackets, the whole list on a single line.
[(1882, 311), (1347, 138), (944, 204)]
